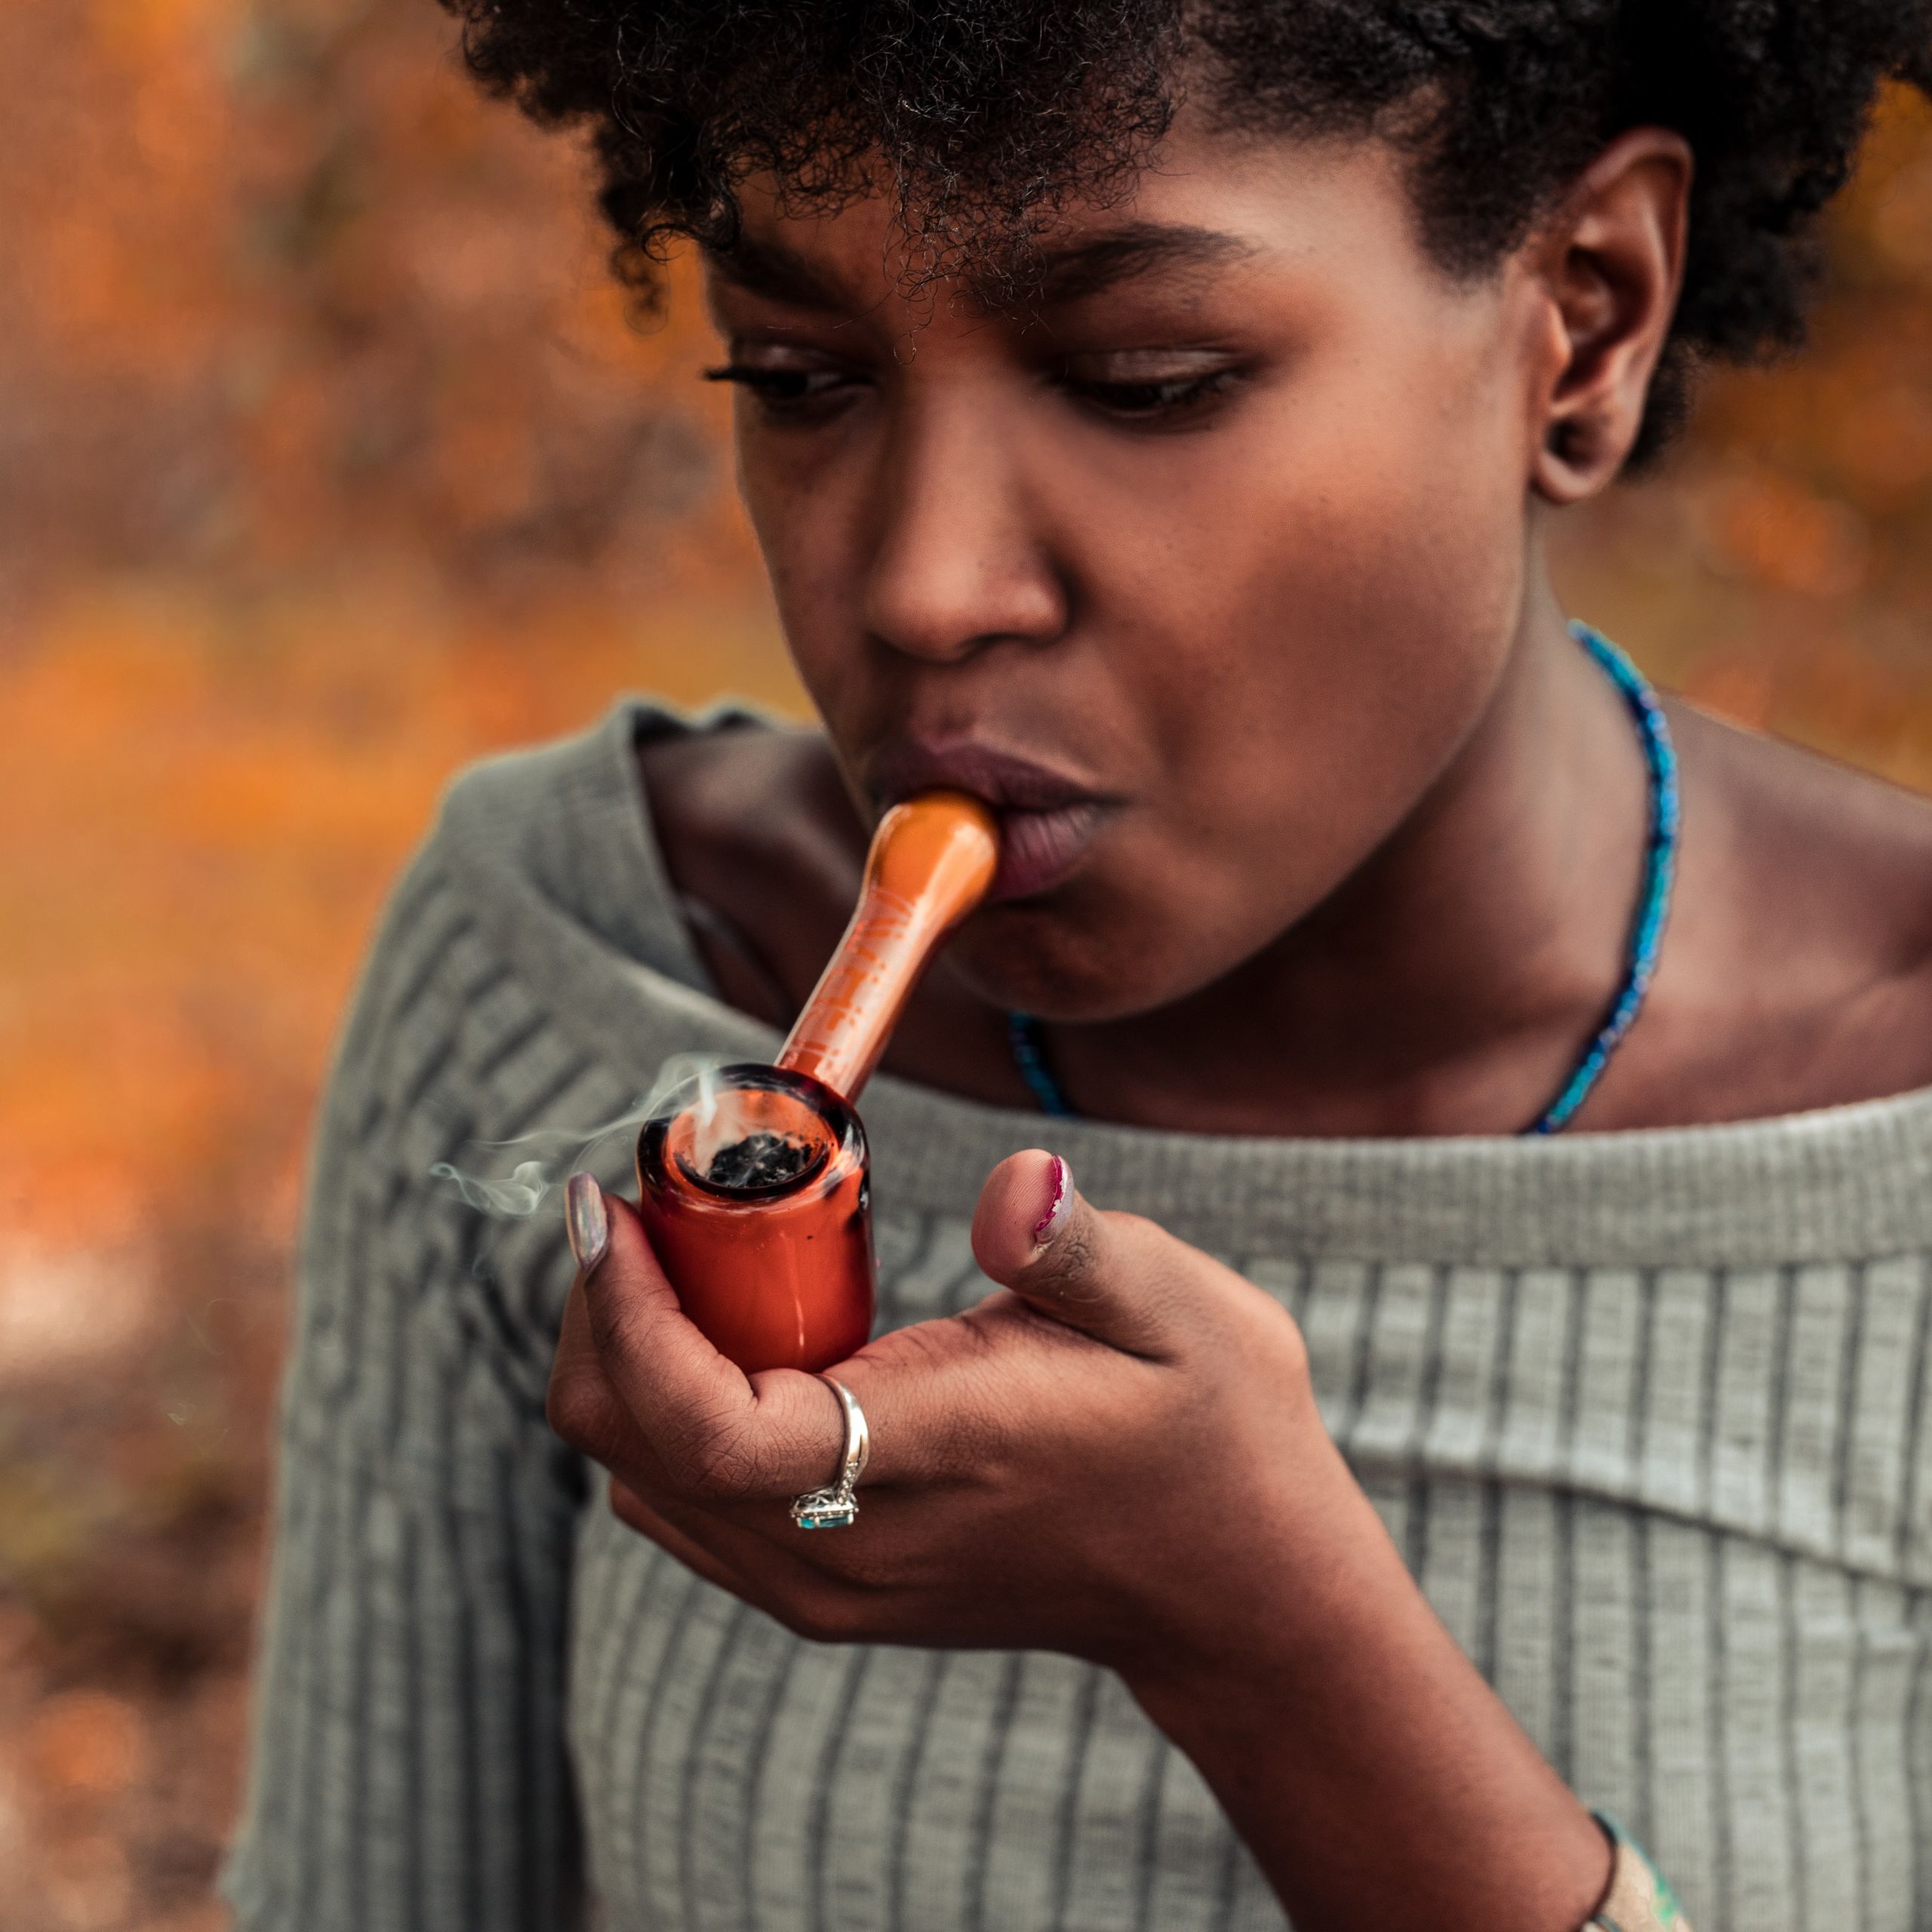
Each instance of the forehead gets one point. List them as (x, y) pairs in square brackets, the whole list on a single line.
[(1209, 208)]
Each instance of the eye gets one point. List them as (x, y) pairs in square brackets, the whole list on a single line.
[(1139, 388), (789, 391)]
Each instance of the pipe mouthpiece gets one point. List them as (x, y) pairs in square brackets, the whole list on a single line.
[(932, 861)]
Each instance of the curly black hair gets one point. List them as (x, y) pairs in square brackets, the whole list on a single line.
[(983, 116)]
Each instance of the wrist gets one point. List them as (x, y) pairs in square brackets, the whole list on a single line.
[(1638, 1897), (1373, 1774), (1291, 1564)]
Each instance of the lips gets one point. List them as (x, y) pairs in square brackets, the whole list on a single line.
[(1037, 849), (1047, 820)]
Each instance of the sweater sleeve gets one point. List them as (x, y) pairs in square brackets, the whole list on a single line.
[(408, 1767)]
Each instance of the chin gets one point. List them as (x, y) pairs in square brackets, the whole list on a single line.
[(1028, 956)]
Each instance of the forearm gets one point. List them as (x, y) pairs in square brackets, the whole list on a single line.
[(1377, 1778)]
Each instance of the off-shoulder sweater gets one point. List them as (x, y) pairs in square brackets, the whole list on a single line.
[(1647, 1413)]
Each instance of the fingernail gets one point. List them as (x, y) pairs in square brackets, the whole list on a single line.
[(1060, 1198), (586, 1221)]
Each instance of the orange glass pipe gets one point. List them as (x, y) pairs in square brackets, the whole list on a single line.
[(773, 1261), (754, 1181), (932, 861)]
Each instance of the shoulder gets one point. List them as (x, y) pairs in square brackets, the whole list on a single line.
[(539, 888), (1846, 855), (1816, 880)]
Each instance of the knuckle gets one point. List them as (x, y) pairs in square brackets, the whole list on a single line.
[(1290, 1341), (872, 1571), (823, 1618), (577, 1408), (617, 1324), (1068, 1270), (715, 1464), (1266, 1329), (1077, 1251), (936, 1347)]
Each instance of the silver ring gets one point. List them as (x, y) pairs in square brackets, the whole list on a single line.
[(834, 1507)]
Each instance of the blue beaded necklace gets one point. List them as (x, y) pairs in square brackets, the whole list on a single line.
[(1022, 1030)]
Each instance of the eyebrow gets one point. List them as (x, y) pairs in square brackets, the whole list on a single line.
[(1057, 276), (1085, 268), (778, 274)]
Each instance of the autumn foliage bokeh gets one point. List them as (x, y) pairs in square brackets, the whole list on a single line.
[(328, 461)]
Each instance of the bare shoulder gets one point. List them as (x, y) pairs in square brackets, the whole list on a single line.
[(1848, 853), (764, 845), (1816, 880)]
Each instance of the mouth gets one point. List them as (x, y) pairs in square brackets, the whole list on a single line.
[(1047, 821)]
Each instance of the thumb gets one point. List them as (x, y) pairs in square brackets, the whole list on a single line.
[(1111, 1275)]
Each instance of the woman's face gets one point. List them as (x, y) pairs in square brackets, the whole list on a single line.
[(1202, 569)]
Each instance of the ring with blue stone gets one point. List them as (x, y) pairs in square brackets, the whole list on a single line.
[(836, 1506)]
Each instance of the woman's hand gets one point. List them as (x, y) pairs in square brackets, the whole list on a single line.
[(1118, 1456), (1072, 1465)]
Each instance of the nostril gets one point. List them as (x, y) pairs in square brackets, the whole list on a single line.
[(942, 612)]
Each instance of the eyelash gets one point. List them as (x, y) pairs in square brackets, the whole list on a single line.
[(1151, 402), (778, 389), (783, 391)]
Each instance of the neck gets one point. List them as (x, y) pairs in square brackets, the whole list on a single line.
[(1449, 985)]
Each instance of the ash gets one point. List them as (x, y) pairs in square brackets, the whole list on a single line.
[(759, 1160)]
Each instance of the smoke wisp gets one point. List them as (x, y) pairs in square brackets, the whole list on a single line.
[(547, 1156)]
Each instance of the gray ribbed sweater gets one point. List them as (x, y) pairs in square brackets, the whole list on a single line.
[(1648, 1414)]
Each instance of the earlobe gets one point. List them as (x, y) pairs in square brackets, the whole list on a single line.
[(1569, 467), (1611, 265)]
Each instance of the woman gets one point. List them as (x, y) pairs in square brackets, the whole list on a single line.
[(1152, 418)]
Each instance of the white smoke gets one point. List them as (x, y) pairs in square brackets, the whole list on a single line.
[(522, 1193), (714, 1125), (551, 1155)]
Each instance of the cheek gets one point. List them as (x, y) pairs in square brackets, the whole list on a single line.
[(1350, 631), (811, 502), (1305, 637), (791, 524)]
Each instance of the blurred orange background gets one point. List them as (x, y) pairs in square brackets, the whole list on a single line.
[(328, 461)]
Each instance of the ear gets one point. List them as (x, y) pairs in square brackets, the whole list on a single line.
[(1609, 262)]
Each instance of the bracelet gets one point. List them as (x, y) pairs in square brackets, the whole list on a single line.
[(1639, 1898)]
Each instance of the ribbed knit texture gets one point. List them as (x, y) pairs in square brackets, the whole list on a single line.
[(1648, 1414)]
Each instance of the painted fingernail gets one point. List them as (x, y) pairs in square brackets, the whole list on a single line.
[(586, 1221), (1060, 1199)]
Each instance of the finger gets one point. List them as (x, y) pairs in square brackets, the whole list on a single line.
[(632, 1510), (691, 1403), (651, 1349), (835, 1587), (579, 1404), (718, 1436), (585, 1411), (1114, 1276)]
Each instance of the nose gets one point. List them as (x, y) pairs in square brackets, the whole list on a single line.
[(961, 559)]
